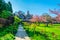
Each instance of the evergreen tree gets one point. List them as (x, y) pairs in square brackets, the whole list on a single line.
[(28, 16), (10, 7), (5, 9), (2, 5), (5, 6)]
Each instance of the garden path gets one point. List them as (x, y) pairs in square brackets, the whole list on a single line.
[(21, 34)]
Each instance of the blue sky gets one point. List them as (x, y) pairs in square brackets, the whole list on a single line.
[(36, 7)]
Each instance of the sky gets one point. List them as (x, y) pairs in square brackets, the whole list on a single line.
[(36, 7)]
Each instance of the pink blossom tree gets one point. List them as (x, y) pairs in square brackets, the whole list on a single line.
[(57, 13), (35, 19)]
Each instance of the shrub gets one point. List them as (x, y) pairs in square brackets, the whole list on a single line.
[(4, 22), (8, 33), (5, 14), (11, 18), (17, 19)]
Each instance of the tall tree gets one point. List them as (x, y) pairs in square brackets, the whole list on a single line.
[(10, 6), (21, 14), (5, 9), (48, 18), (42, 19), (28, 16), (2, 5), (5, 6), (35, 19), (57, 13)]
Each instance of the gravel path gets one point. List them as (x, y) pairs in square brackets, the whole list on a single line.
[(21, 34)]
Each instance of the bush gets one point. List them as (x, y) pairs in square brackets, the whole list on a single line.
[(17, 19), (8, 33), (5, 14)]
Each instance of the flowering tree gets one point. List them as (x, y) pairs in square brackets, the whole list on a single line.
[(42, 19), (35, 19), (57, 13), (38, 19)]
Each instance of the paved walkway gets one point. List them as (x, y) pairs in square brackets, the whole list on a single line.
[(21, 34)]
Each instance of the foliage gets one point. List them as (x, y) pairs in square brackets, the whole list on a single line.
[(10, 7), (8, 32), (7, 37), (21, 14), (57, 18), (5, 14), (5, 6), (17, 19), (47, 16), (2, 5), (28, 15)]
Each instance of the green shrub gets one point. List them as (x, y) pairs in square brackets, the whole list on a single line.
[(8, 33), (16, 19), (7, 37), (5, 14)]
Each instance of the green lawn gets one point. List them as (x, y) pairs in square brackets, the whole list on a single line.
[(42, 32)]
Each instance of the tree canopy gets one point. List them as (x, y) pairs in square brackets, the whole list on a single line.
[(5, 6)]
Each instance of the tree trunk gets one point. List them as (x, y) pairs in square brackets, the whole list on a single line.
[(47, 24)]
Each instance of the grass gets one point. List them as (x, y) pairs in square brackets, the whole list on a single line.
[(42, 32)]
